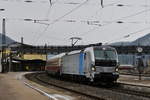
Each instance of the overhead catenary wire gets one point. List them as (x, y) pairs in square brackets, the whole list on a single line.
[(146, 11), (26, 1), (47, 17), (132, 15), (68, 14), (39, 21), (108, 5), (101, 8), (129, 16), (45, 29), (128, 5), (135, 22), (110, 22), (99, 23), (100, 14)]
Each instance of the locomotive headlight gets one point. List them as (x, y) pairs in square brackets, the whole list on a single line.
[(118, 64), (93, 69), (116, 70)]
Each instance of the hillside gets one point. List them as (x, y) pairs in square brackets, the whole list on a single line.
[(8, 40), (143, 41)]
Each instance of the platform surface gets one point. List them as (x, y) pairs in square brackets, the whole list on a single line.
[(129, 79), (11, 88)]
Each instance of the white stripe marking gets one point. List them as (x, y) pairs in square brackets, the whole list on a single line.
[(54, 96), (40, 91)]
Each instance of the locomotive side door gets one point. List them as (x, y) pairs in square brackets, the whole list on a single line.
[(87, 63)]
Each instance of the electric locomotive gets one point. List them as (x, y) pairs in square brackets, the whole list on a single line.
[(97, 63)]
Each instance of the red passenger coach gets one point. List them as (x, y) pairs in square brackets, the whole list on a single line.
[(53, 65)]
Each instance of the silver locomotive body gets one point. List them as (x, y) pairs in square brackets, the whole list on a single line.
[(95, 63)]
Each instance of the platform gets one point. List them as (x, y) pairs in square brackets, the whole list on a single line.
[(13, 86), (129, 79)]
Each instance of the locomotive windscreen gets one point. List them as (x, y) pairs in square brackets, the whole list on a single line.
[(105, 57), (105, 54)]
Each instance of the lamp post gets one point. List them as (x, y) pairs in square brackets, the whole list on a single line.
[(3, 59), (1, 62)]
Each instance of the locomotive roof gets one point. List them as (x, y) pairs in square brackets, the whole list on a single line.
[(74, 52), (98, 47), (104, 47)]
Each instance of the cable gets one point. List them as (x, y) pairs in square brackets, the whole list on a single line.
[(50, 7), (106, 6), (47, 17), (68, 14), (58, 19), (117, 20), (145, 12), (134, 14), (122, 5), (97, 22), (61, 18), (24, 1)]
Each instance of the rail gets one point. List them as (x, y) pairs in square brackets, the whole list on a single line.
[(96, 92)]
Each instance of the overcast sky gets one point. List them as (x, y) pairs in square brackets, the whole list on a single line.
[(75, 18)]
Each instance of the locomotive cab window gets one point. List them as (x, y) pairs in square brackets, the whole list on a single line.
[(105, 58), (105, 54)]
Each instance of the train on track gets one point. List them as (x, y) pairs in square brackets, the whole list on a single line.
[(96, 63)]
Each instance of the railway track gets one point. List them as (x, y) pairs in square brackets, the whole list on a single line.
[(94, 92), (38, 78)]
